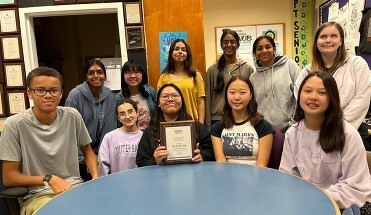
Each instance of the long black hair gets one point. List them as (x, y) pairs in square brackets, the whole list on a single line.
[(158, 115), (221, 62), (90, 63), (133, 65), (331, 136), (188, 64)]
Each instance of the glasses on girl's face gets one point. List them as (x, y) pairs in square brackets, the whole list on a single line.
[(97, 73), (130, 113), (226, 42), (42, 92), (130, 73), (166, 96)]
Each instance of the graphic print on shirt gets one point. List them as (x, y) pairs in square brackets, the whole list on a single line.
[(127, 149), (240, 141), (310, 161), (143, 111)]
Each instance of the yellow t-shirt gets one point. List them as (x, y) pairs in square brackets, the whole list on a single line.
[(189, 90)]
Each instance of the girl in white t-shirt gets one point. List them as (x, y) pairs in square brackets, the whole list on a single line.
[(242, 136)]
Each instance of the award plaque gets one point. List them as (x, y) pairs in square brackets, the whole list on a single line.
[(179, 138), (134, 37), (9, 22), (17, 100), (8, 3), (133, 13), (11, 48), (2, 101), (57, 2), (14, 75)]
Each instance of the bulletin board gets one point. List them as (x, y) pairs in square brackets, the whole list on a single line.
[(248, 34)]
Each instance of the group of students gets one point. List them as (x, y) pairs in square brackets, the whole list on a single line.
[(320, 109)]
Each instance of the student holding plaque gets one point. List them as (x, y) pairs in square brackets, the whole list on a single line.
[(323, 148), (242, 136), (96, 104), (170, 108)]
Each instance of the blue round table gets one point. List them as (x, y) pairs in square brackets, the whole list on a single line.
[(204, 188)]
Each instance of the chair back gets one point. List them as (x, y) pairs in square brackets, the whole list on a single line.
[(4, 208), (277, 147)]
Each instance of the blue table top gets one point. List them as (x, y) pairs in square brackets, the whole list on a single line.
[(204, 188)]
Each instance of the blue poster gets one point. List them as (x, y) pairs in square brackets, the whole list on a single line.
[(166, 38)]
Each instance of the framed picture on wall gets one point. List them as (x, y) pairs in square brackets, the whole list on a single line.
[(11, 48), (2, 101), (134, 37), (14, 75), (9, 21), (7, 3), (56, 2), (17, 101), (133, 13), (1, 70)]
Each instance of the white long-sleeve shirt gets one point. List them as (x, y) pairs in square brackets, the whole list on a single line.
[(353, 79), (343, 175)]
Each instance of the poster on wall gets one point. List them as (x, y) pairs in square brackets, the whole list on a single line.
[(166, 38), (276, 32), (247, 35), (302, 28)]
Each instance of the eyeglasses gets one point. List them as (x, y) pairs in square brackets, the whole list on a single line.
[(130, 113), (130, 73), (166, 97), (226, 42), (42, 92), (98, 72)]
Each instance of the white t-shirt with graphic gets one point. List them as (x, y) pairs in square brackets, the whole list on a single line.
[(143, 110), (241, 141)]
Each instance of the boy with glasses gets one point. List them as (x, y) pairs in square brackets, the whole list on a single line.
[(38, 146)]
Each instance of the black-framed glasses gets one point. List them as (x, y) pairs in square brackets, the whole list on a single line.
[(42, 92)]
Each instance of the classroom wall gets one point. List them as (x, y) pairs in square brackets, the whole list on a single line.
[(244, 12)]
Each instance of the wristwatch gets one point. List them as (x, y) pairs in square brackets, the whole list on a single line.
[(46, 179)]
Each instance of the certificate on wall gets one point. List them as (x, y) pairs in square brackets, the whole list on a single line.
[(11, 48), (4, 3), (9, 21), (134, 37), (133, 13), (17, 101), (179, 138), (14, 75)]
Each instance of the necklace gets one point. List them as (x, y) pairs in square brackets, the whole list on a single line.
[(245, 122)]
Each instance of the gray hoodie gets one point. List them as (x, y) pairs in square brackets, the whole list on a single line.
[(274, 90), (99, 116)]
